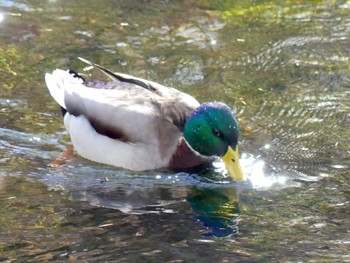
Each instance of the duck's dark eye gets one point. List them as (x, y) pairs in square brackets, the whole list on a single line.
[(217, 133)]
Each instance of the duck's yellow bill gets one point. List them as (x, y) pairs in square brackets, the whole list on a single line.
[(231, 160)]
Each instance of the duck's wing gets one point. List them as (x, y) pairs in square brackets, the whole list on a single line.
[(173, 105)]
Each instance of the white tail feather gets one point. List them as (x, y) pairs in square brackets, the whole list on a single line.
[(60, 82)]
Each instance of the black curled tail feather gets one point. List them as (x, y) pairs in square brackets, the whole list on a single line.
[(76, 75), (64, 111)]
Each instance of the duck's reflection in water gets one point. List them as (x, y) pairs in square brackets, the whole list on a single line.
[(217, 209), (215, 206)]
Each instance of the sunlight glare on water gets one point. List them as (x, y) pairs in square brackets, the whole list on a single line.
[(256, 173), (255, 170)]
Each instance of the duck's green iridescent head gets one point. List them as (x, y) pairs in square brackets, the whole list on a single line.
[(213, 130)]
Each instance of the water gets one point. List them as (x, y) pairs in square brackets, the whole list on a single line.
[(283, 67)]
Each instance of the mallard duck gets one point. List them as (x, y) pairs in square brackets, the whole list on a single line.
[(141, 125)]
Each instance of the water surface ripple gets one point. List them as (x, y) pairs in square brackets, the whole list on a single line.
[(283, 68)]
